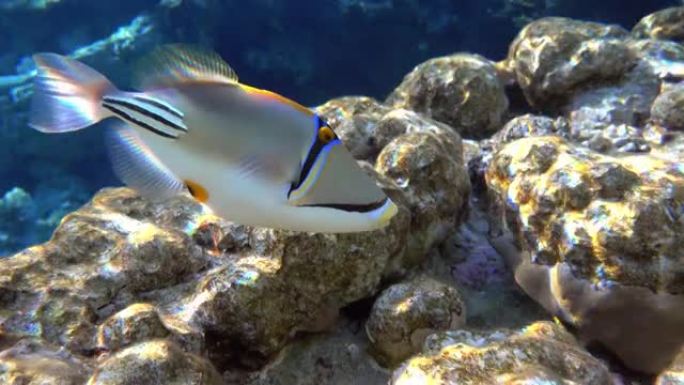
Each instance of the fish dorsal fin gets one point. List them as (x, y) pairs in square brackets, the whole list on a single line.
[(137, 166), (173, 64)]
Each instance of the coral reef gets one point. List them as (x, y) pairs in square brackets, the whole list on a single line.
[(27, 219), (563, 201), (461, 90), (91, 269), (598, 234), (601, 237), (406, 313), (32, 362), (667, 24), (540, 353), (668, 108), (336, 358), (577, 53), (156, 362), (428, 169), (28, 4)]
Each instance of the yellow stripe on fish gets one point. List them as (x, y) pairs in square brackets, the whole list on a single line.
[(268, 95)]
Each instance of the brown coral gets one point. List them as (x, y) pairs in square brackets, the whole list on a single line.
[(601, 237)]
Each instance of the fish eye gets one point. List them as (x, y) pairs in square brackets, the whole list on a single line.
[(325, 134)]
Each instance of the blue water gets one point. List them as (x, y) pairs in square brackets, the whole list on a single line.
[(309, 50)]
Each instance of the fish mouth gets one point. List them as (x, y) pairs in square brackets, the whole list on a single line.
[(354, 208)]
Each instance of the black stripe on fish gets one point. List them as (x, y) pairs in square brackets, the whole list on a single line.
[(356, 208), (142, 124), (143, 111), (315, 150), (160, 105), (311, 156)]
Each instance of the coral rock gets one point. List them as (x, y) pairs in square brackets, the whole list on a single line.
[(599, 112), (156, 362), (400, 122), (337, 358), (658, 53), (461, 90), (541, 352), (428, 168), (530, 125), (85, 288), (406, 313), (96, 258), (667, 24), (29, 362), (242, 304), (137, 323), (551, 57), (668, 108), (600, 237)]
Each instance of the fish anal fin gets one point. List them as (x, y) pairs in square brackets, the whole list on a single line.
[(174, 64), (137, 166)]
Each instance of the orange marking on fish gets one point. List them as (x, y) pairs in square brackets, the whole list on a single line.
[(197, 191), (276, 97)]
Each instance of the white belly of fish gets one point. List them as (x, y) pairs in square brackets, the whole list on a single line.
[(253, 201)]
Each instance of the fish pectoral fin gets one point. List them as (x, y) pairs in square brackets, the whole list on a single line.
[(137, 166), (174, 64)]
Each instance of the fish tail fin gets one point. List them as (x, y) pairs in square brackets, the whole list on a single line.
[(67, 95)]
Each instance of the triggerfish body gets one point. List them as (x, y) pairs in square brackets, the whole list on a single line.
[(253, 156)]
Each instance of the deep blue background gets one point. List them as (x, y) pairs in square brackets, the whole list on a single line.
[(314, 51), (309, 50)]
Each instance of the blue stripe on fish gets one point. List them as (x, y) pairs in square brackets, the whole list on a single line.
[(314, 151)]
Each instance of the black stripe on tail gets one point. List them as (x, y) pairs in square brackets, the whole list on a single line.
[(138, 122), (147, 113)]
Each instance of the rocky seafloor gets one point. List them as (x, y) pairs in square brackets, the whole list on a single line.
[(540, 240)]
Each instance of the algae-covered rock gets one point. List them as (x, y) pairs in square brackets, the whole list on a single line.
[(428, 168), (668, 108), (121, 248), (530, 125), (97, 257), (666, 24), (406, 313), (339, 357), (354, 119), (552, 57), (661, 54), (594, 114), (142, 322), (29, 362), (600, 237), (460, 90), (156, 362), (400, 121), (284, 282), (542, 352)]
